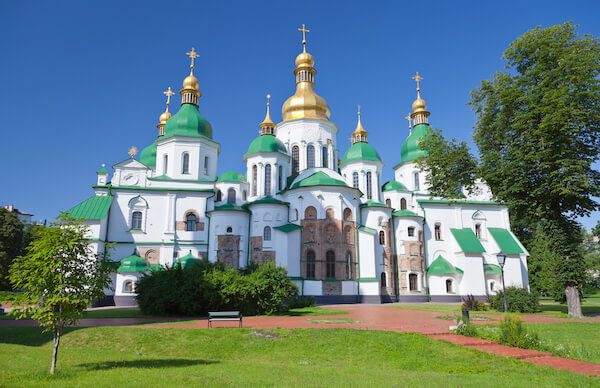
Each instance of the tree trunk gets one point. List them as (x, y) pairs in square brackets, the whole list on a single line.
[(55, 349), (573, 301)]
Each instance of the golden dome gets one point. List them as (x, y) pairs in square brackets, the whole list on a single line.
[(419, 105), (165, 116), (267, 122), (191, 82), (304, 60)]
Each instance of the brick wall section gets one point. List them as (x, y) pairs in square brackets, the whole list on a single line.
[(257, 254), (388, 260), (228, 250), (412, 261), (180, 225), (152, 255)]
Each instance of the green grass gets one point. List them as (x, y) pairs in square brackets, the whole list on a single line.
[(107, 356), (333, 320), (556, 309), (578, 340)]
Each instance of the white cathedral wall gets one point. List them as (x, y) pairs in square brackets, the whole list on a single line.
[(219, 222), (260, 160), (401, 225), (335, 198), (362, 168), (239, 189), (395, 198), (367, 264), (405, 174), (473, 279), (175, 146)]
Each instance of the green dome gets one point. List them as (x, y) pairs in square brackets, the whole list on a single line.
[(133, 263), (232, 176), (266, 143), (360, 151), (188, 260), (148, 155), (393, 186), (410, 148), (188, 122)]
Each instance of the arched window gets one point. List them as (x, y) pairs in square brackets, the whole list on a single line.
[(296, 214), (310, 264), (267, 233), (382, 238), (244, 195), (330, 264), (128, 286), (347, 214), (295, 160), (478, 230), (492, 284), (229, 229), (411, 231), (329, 214), (280, 176), (349, 265), (438, 231), (136, 220), (449, 288), (165, 164), (310, 213), (369, 190), (347, 234), (388, 202), (219, 196), (185, 163), (206, 165), (231, 195), (254, 177), (355, 180), (383, 280), (268, 179), (190, 222), (417, 185), (310, 156), (402, 204), (412, 282), (325, 157)]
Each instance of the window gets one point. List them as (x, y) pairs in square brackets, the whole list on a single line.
[(347, 234), (136, 220), (330, 264), (347, 214), (244, 195), (438, 231), (492, 284), (349, 265), (165, 164), (310, 156), (268, 179), (280, 176), (382, 238), (329, 214), (267, 233), (128, 286), (310, 264), (325, 157), (417, 186), (254, 174), (449, 286), (190, 222), (369, 191), (355, 180), (185, 163), (388, 202), (219, 196), (402, 204), (383, 280), (411, 231), (412, 282), (206, 165), (310, 213), (231, 195), (229, 229), (478, 230), (296, 214), (295, 160)]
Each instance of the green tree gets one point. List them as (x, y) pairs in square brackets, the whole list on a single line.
[(538, 136), (11, 237), (61, 275)]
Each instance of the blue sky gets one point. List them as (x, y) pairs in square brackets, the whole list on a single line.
[(81, 82)]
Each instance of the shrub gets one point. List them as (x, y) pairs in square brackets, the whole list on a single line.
[(302, 302), (518, 300), (472, 304), (464, 327), (514, 333)]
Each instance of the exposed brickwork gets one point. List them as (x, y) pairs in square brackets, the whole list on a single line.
[(180, 225), (228, 250), (412, 261), (152, 255), (332, 288), (389, 261), (257, 254)]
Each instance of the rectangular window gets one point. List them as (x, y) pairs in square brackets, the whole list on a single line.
[(411, 231)]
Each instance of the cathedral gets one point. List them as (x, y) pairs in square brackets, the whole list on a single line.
[(343, 235)]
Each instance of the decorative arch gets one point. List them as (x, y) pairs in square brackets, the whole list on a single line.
[(231, 195), (310, 156), (388, 202), (185, 163), (382, 238), (347, 214), (330, 214), (191, 222), (330, 264), (295, 160), (219, 196), (267, 233), (348, 234), (310, 272), (310, 213), (403, 204)]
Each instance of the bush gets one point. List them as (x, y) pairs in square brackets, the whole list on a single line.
[(303, 302), (257, 289), (472, 304), (466, 328), (513, 333), (518, 300)]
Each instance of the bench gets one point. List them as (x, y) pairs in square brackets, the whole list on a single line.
[(224, 316)]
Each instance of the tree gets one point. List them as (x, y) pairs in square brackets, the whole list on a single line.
[(11, 237), (538, 136), (60, 276)]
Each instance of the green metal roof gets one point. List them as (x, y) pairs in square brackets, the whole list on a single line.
[(188, 122), (441, 266), (232, 176), (405, 213), (506, 241), (455, 202), (168, 178), (410, 149), (188, 260), (133, 263), (94, 208), (371, 203), (266, 143), (266, 200), (393, 186), (469, 243), (492, 269), (360, 151), (148, 155), (102, 171), (287, 228), (230, 207), (156, 267), (319, 178), (363, 228)]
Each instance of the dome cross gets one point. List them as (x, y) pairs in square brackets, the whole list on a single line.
[(132, 151), (304, 31), (418, 79), (168, 93), (192, 54)]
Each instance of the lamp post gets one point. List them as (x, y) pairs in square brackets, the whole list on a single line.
[(501, 258)]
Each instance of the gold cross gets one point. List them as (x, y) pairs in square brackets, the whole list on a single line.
[(268, 99), (168, 93), (304, 31), (192, 54), (418, 78), (359, 111), (132, 151), (409, 122)]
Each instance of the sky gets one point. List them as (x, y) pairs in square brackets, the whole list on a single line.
[(81, 82)]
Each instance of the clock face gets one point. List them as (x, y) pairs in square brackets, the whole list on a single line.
[(130, 180)]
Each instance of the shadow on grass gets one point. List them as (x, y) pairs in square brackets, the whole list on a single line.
[(590, 311), (28, 336), (145, 363)]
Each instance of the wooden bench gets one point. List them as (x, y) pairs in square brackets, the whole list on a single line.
[(224, 316)]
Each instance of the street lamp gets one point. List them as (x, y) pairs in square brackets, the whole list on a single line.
[(501, 258)]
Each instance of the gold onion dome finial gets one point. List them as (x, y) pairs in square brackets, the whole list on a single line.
[(419, 106), (359, 134), (305, 103), (267, 126), (190, 93), (166, 115)]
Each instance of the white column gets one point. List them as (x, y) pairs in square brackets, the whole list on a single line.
[(260, 189), (319, 156), (375, 187), (170, 214), (302, 159), (331, 157)]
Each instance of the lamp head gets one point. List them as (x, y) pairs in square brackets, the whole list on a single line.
[(501, 258)]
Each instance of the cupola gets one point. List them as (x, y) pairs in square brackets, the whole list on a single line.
[(267, 127), (419, 106)]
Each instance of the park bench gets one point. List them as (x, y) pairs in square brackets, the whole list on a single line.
[(224, 316)]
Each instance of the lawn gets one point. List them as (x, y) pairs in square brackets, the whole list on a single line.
[(578, 340), (556, 309), (108, 356)]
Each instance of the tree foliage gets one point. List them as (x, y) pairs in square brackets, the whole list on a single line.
[(11, 237), (60, 276)]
